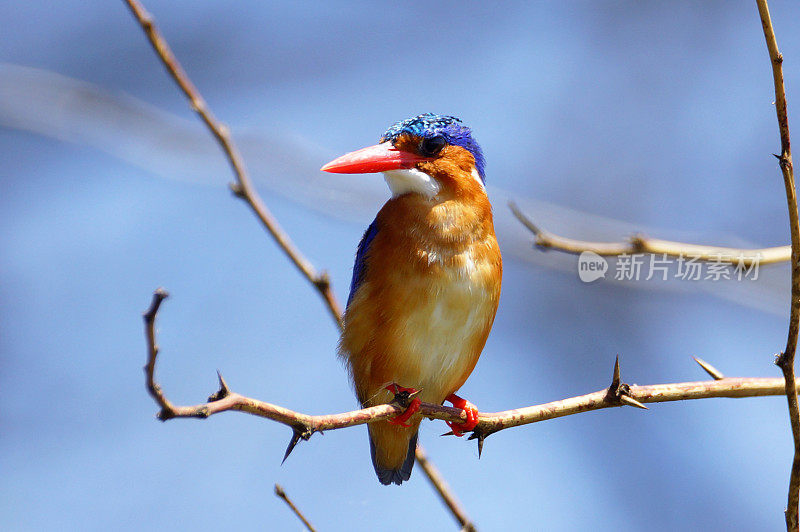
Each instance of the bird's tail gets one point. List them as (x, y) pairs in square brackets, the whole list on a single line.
[(392, 448)]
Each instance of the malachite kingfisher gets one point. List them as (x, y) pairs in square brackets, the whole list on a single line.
[(426, 281)]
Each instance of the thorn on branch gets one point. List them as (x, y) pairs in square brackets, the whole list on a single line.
[(780, 359), (711, 370), (615, 377), (298, 433), (630, 401), (223, 391), (322, 281), (480, 435), (237, 190), (619, 392), (783, 160)]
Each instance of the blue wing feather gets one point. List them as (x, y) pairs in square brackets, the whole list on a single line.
[(360, 267), (386, 476)]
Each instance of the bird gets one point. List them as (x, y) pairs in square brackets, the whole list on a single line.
[(426, 281)]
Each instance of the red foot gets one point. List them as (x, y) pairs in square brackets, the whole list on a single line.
[(472, 415), (412, 407)]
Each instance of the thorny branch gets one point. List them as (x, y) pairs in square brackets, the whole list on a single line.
[(304, 425), (786, 359), (243, 189), (640, 243)]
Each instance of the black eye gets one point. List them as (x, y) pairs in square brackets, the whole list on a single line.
[(432, 146)]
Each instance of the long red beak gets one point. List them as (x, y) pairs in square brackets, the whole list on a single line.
[(378, 158)]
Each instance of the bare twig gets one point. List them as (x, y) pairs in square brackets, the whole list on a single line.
[(304, 425), (786, 359), (642, 244), (152, 352), (441, 487), (243, 188), (282, 494)]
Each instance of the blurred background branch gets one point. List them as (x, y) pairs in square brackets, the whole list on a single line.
[(640, 243)]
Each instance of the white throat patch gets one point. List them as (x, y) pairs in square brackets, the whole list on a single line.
[(477, 177), (411, 180)]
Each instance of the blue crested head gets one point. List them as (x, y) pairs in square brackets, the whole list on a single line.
[(428, 125)]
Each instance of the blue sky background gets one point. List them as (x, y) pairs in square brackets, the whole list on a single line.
[(658, 115)]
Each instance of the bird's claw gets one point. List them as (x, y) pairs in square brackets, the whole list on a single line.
[(404, 397), (472, 415)]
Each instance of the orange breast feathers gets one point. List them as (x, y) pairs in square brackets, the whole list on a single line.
[(428, 296)]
